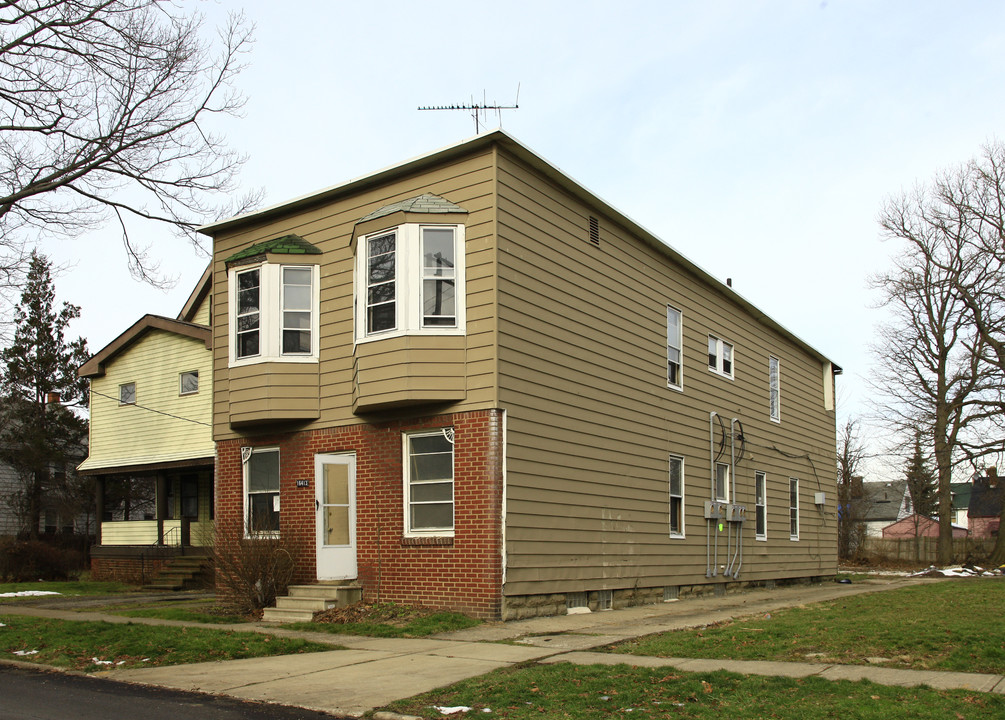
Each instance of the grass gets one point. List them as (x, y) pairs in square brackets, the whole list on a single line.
[(388, 620), (198, 611), (601, 692), (71, 588), (950, 625), (75, 644)]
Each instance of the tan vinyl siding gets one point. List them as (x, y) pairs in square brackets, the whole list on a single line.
[(163, 426), (263, 392), (592, 422), (468, 182)]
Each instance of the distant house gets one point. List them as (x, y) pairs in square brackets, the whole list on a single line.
[(984, 513), (961, 501), (60, 513), (915, 525), (882, 504), (466, 381), (151, 446)]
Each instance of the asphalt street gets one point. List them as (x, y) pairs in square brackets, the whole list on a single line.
[(27, 694)]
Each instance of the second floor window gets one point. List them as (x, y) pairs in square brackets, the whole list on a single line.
[(774, 390), (720, 356), (274, 313), (411, 281), (674, 366)]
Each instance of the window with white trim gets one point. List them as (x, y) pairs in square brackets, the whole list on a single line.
[(127, 394), (720, 356), (274, 313), (429, 483), (261, 488), (675, 368), (188, 382), (722, 482), (676, 485), (410, 280), (793, 508), (774, 390), (760, 506)]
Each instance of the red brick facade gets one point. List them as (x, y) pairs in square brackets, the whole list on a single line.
[(462, 573)]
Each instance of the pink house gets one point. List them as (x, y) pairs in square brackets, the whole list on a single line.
[(918, 526)]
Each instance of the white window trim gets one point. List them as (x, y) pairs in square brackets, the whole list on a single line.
[(679, 347), (406, 482), (795, 535), (761, 479), (270, 327), (681, 533), (774, 389), (720, 344), (123, 385), (181, 391), (728, 481), (408, 279), (247, 497)]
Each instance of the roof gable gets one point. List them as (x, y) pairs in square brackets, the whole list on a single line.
[(95, 367)]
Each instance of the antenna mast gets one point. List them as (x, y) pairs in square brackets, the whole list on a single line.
[(479, 111)]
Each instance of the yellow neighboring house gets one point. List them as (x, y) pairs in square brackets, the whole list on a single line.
[(151, 448)]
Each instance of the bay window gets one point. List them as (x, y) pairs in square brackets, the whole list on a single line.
[(274, 313), (410, 280)]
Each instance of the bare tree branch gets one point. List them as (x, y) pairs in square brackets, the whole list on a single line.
[(103, 105)]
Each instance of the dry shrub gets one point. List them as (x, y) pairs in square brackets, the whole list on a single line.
[(252, 569), (30, 560)]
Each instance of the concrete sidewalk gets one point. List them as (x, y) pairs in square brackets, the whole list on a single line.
[(372, 672)]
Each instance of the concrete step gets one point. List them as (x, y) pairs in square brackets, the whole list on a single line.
[(284, 616), (324, 588), (302, 601)]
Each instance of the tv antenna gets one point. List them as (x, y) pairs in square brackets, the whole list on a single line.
[(480, 111)]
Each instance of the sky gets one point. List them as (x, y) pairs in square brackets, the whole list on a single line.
[(759, 139)]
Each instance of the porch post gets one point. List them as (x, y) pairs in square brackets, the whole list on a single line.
[(99, 506), (161, 506)]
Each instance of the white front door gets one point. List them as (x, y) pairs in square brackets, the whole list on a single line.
[(335, 483)]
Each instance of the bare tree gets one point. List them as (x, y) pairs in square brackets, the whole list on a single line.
[(972, 201), (934, 373), (103, 110), (850, 457)]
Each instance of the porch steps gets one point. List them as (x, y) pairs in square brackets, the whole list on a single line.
[(304, 600), (184, 572)]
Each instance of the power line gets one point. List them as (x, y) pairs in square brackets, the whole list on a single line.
[(159, 412)]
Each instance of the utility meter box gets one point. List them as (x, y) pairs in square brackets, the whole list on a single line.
[(736, 513), (819, 498), (713, 509)]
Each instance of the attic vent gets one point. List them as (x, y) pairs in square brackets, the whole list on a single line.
[(594, 230)]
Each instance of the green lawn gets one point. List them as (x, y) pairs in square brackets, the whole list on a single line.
[(401, 621), (949, 625), (76, 644), (200, 611), (601, 692), (70, 588)]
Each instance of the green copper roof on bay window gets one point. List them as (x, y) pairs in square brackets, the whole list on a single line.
[(285, 245), (425, 203)]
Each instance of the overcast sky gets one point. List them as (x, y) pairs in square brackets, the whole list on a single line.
[(759, 139)]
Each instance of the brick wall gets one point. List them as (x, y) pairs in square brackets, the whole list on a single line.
[(134, 570), (461, 573)]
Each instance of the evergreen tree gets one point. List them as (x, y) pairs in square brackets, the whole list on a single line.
[(921, 481), (39, 387)]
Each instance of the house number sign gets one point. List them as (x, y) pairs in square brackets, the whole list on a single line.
[(303, 483)]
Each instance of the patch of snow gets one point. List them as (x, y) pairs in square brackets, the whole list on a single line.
[(22, 653), (451, 710), (577, 611), (28, 593)]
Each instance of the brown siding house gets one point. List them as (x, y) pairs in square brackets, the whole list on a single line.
[(468, 382)]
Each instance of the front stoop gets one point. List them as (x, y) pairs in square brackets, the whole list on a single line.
[(182, 572), (304, 600)]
